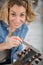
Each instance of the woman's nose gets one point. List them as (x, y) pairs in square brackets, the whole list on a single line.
[(17, 18)]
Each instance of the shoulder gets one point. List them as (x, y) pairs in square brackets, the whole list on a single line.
[(3, 28), (3, 31), (24, 29), (25, 26), (2, 23)]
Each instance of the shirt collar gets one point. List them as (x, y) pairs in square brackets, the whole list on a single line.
[(19, 29)]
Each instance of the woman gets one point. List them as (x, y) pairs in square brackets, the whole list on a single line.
[(13, 28)]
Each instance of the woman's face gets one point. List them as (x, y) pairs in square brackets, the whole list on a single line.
[(17, 16)]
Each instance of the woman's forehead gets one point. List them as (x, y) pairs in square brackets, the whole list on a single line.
[(17, 8)]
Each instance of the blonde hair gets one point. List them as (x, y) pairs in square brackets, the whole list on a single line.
[(9, 3)]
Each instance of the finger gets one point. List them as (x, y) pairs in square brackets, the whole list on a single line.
[(16, 42), (17, 38)]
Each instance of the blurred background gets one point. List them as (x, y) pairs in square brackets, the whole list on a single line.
[(35, 34)]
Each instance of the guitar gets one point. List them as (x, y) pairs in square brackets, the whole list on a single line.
[(28, 55)]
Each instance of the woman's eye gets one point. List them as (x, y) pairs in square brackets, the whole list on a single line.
[(13, 14), (22, 15)]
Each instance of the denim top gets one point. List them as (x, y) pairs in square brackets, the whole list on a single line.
[(21, 32)]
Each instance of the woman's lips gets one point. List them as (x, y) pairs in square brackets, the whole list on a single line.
[(16, 25)]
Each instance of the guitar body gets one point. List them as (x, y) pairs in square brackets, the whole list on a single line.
[(28, 56)]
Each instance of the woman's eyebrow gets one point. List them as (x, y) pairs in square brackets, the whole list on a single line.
[(22, 12), (13, 11)]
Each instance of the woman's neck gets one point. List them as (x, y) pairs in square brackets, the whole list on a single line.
[(11, 30)]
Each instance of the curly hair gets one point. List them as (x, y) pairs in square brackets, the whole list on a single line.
[(25, 3)]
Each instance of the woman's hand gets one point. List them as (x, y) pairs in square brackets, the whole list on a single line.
[(13, 41)]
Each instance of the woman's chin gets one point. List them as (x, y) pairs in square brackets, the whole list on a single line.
[(16, 26)]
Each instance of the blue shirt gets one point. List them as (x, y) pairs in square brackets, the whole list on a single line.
[(21, 32)]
